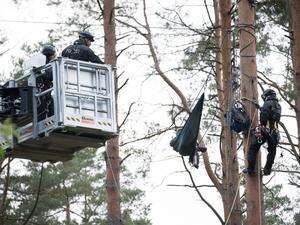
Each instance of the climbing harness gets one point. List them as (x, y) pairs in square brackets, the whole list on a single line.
[(258, 134)]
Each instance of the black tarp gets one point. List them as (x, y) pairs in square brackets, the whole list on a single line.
[(185, 141)]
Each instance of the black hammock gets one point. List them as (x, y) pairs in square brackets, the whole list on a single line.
[(185, 142)]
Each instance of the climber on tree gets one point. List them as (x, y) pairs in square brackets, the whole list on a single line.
[(267, 131)]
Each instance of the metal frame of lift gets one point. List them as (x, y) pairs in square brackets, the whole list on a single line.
[(58, 137)]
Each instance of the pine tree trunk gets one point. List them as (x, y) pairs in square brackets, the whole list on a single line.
[(295, 10), (112, 147), (67, 201), (247, 43), (68, 212), (4, 194), (230, 195)]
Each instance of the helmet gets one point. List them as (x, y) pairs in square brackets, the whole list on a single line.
[(78, 42), (267, 93), (48, 50), (87, 35)]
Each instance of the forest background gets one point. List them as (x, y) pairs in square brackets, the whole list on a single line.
[(153, 175)]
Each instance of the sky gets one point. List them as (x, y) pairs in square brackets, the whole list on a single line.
[(169, 205)]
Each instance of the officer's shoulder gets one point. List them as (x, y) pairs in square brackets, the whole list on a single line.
[(83, 47), (70, 46)]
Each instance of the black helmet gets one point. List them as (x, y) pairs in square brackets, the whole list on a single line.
[(87, 35), (267, 93), (48, 50)]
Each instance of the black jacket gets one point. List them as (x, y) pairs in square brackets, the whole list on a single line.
[(270, 112), (79, 51)]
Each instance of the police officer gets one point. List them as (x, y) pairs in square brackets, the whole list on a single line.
[(46, 108), (80, 50), (49, 51), (270, 114)]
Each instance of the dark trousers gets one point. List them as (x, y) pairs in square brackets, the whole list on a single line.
[(272, 139)]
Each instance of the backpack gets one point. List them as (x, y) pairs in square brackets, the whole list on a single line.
[(240, 120)]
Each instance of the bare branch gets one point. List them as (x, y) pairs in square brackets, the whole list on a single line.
[(77, 214), (208, 13), (287, 171), (199, 193), (148, 136), (120, 75), (178, 92), (134, 19), (121, 86), (127, 156), (275, 85), (127, 115), (2, 53), (131, 26), (211, 173), (297, 155), (124, 49), (190, 186)]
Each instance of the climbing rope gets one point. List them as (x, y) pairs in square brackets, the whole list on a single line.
[(235, 198)]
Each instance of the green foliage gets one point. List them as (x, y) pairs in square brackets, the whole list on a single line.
[(278, 207), (203, 52), (297, 219), (78, 183), (8, 131), (275, 11)]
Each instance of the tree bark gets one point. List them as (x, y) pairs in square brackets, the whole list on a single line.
[(295, 11), (247, 42), (112, 146), (4, 195), (230, 194), (65, 189)]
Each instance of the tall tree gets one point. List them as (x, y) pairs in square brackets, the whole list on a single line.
[(112, 147), (247, 43), (229, 187), (230, 196), (295, 11)]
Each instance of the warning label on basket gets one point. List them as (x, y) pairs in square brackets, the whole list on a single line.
[(87, 120)]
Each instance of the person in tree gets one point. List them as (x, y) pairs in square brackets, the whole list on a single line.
[(80, 50), (270, 114)]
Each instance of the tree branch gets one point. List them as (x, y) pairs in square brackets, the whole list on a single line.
[(199, 193), (280, 90), (127, 115), (297, 155), (159, 132), (127, 156), (37, 196), (211, 173), (126, 81), (190, 186), (179, 94)]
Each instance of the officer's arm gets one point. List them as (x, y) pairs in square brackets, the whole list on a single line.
[(264, 113), (63, 54), (94, 58)]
